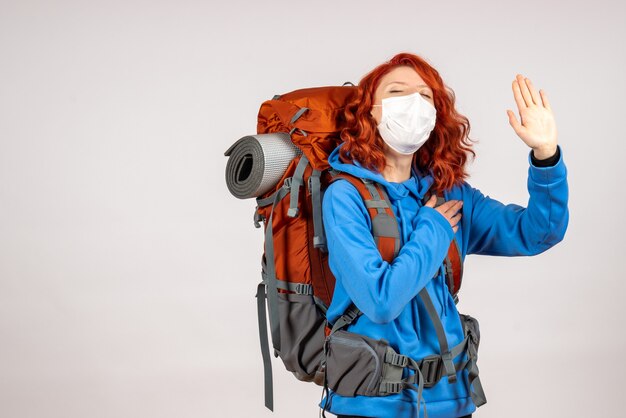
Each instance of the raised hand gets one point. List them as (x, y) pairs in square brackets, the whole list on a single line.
[(537, 127)]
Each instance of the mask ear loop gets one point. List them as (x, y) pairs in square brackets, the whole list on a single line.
[(372, 116)]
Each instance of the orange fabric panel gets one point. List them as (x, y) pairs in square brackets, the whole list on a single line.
[(322, 122), (457, 266)]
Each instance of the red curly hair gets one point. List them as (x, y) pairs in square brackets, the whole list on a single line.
[(448, 146)]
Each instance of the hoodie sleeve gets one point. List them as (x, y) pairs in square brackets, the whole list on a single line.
[(512, 230), (379, 289)]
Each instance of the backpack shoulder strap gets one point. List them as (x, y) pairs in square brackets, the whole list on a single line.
[(384, 223), (453, 262), (384, 229)]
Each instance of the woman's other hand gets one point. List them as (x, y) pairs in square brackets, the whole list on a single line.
[(537, 127), (448, 210)]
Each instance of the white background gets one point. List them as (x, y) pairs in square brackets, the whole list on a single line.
[(128, 271)]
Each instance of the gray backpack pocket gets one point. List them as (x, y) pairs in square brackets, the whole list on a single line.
[(301, 335), (354, 363), (471, 328)]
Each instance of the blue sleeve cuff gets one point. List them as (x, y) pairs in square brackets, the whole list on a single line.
[(547, 175), (546, 162), (438, 218)]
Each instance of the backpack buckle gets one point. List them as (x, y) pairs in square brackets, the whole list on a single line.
[(391, 387), (351, 314), (257, 218), (431, 370), (302, 132), (396, 359), (303, 289), (287, 183)]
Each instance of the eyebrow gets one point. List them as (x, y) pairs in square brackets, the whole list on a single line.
[(400, 82)]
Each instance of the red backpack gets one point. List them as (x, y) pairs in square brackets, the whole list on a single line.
[(296, 279)]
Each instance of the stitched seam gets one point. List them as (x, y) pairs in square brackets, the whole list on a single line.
[(545, 237)]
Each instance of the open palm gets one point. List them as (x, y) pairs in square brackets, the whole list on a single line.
[(537, 127)]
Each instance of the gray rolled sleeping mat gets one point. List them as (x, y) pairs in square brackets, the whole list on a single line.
[(257, 162)]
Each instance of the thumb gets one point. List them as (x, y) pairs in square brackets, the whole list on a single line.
[(517, 127)]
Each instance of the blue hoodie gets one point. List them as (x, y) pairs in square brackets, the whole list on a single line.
[(387, 293)]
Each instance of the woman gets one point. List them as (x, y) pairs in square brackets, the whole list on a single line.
[(404, 133)]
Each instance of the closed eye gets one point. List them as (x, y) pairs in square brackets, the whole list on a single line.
[(400, 91)]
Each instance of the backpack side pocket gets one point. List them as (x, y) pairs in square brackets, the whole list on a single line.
[(354, 363), (301, 335)]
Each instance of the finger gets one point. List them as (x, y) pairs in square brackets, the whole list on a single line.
[(432, 201), (456, 218), (533, 92), (525, 92), (450, 210), (517, 126), (544, 98), (447, 206), (519, 100)]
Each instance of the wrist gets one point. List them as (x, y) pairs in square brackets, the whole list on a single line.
[(544, 152), (426, 212)]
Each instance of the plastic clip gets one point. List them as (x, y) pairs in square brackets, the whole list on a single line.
[(431, 369), (257, 218)]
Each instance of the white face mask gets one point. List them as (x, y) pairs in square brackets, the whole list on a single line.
[(406, 122)]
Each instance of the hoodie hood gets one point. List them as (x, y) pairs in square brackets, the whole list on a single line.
[(417, 185)]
